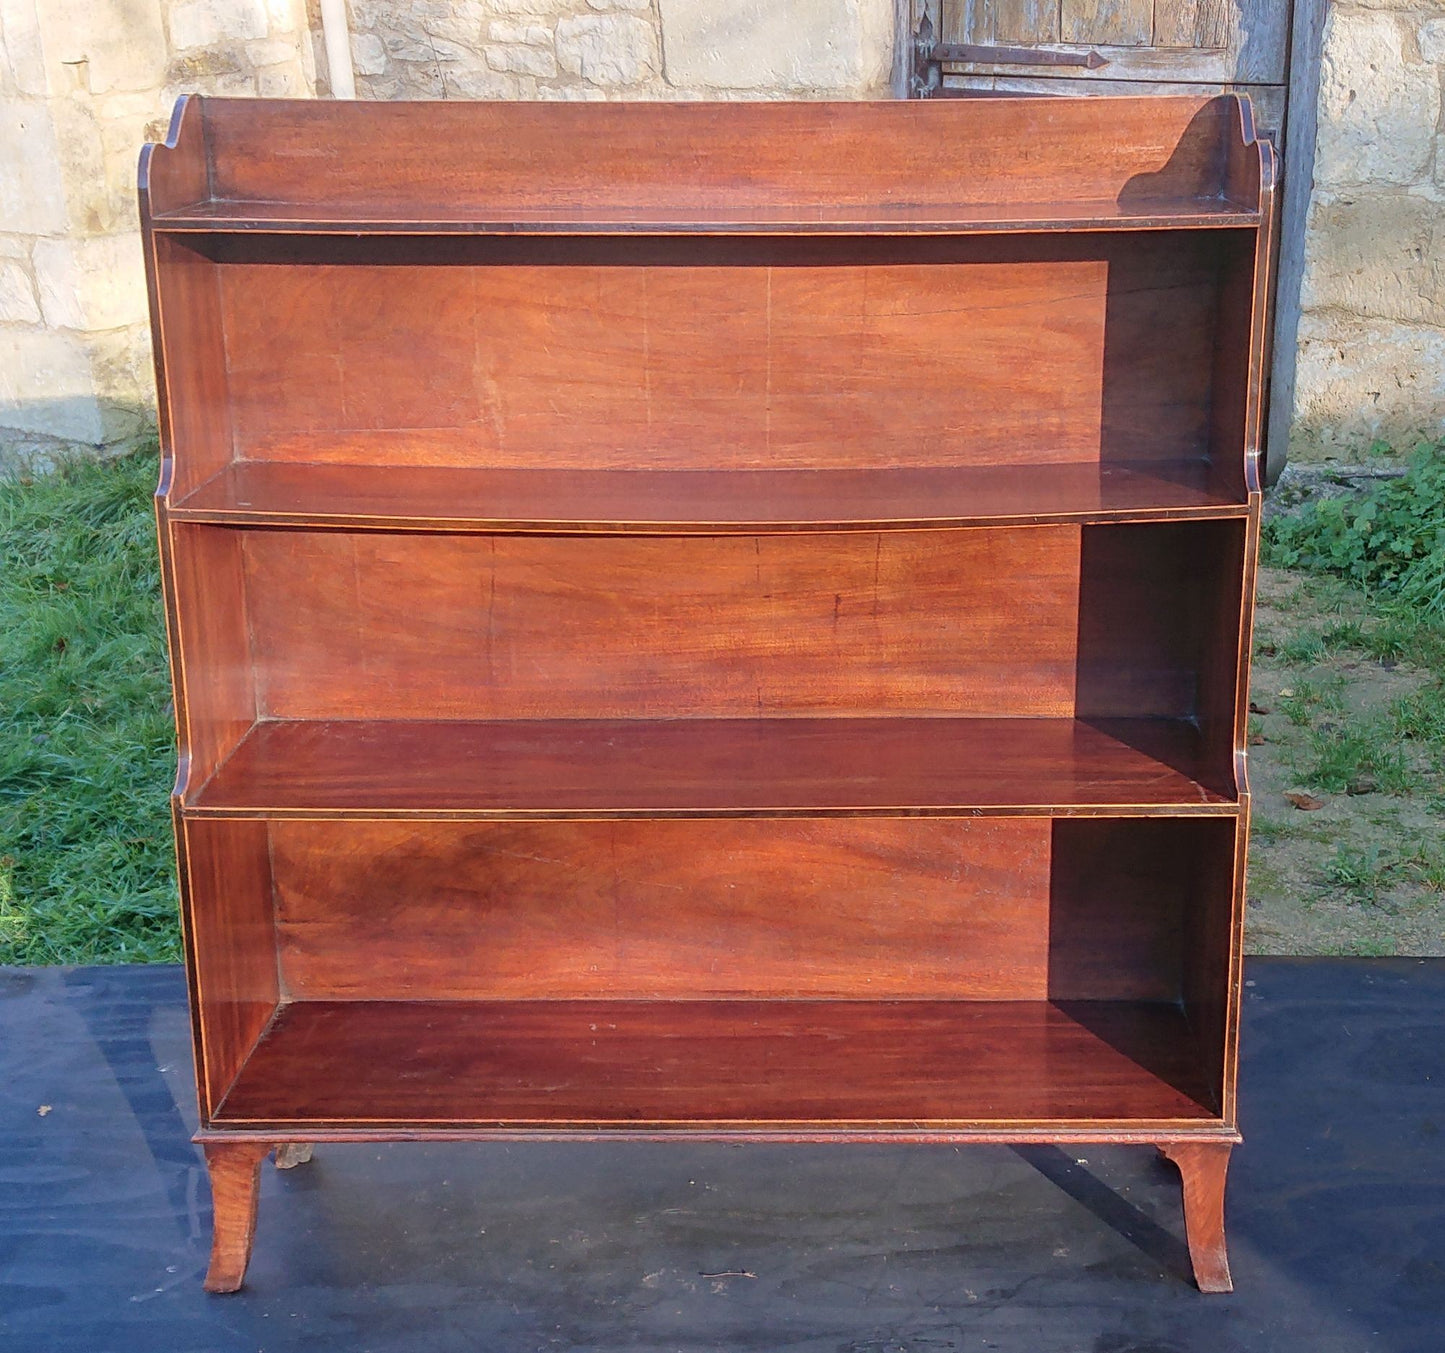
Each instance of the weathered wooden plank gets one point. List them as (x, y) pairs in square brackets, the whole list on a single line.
[(968, 21), (1122, 23), (1195, 23), (1027, 21)]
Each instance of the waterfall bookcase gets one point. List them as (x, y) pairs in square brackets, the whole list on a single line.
[(711, 621)]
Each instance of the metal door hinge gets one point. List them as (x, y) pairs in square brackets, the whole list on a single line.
[(930, 55)]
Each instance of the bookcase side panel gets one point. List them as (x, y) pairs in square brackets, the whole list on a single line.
[(187, 328), (228, 893), (866, 910), (1212, 947), (211, 653)]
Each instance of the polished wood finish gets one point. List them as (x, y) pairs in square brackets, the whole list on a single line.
[(661, 1064), (628, 768), (1203, 1167), (830, 167), (458, 498), (235, 1172), (650, 910), (715, 621)]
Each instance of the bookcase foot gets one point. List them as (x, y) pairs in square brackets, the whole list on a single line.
[(291, 1154), (235, 1170), (1202, 1167)]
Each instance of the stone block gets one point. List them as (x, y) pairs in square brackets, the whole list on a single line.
[(283, 16), (271, 52), (23, 48), (1359, 381), (533, 34), (46, 386), (368, 55), (1376, 254), (108, 44), (834, 46), (608, 49), (637, 6), (539, 7), (81, 152), (32, 193), (17, 295), (1432, 41), (87, 284), (479, 82), (280, 82), (521, 60), (121, 369), (457, 21), (1378, 105), (207, 23), (422, 45)]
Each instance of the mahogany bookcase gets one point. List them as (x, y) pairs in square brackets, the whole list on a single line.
[(722, 621)]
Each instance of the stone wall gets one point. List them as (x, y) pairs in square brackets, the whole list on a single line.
[(82, 84), (633, 49), (1372, 324)]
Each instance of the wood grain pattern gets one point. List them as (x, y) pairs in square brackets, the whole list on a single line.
[(716, 620), (769, 1063), (451, 497), (644, 910), (528, 627), (477, 157), (578, 768), (226, 887), (195, 412), (1164, 209), (1203, 1167), (1121, 23), (211, 662), (1172, 47), (765, 356), (235, 1171)]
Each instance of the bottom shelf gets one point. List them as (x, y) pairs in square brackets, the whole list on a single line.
[(773, 1065)]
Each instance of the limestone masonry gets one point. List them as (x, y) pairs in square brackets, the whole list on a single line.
[(84, 82)]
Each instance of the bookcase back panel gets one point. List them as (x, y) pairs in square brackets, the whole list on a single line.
[(776, 354), (1036, 621), (861, 909), (1000, 909), (505, 627)]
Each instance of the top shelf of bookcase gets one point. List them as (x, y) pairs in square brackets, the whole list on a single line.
[(946, 167)]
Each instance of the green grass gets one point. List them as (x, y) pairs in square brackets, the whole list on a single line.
[(1356, 757), (1359, 874), (86, 742)]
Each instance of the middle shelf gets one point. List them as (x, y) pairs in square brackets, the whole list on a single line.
[(788, 767), (673, 501)]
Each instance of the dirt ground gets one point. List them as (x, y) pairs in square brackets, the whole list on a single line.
[(1357, 867)]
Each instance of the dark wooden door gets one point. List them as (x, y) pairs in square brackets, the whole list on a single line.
[(1233, 44)]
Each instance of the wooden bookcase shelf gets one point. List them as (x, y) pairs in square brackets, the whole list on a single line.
[(619, 768), (790, 1066), (724, 621), (702, 502)]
